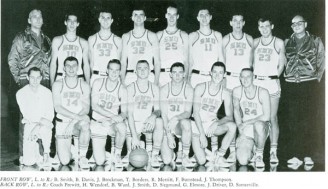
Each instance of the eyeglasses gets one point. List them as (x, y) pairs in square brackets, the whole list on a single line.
[(299, 23)]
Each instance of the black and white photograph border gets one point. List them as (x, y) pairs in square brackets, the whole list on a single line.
[(14, 14)]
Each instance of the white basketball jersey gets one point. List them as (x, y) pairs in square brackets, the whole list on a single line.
[(205, 51), (104, 50), (70, 48), (108, 100), (210, 104), (251, 107), (143, 102), (176, 103), (71, 98), (237, 53), (266, 59), (139, 49), (171, 48)]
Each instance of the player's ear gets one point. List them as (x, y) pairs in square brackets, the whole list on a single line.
[(77, 24), (29, 20), (65, 22), (272, 26), (230, 23), (178, 16), (170, 75), (305, 24), (145, 18)]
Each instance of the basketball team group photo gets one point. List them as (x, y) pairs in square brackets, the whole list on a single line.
[(186, 86)]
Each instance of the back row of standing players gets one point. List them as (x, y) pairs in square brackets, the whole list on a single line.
[(197, 52)]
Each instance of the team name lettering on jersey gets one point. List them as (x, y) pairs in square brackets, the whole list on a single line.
[(138, 47), (264, 54), (171, 42), (106, 100), (208, 42), (104, 49), (71, 49), (238, 48)]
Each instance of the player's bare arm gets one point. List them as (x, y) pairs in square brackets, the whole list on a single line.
[(219, 38), (91, 41), (151, 120), (135, 140), (85, 99), (236, 95), (225, 41), (54, 54), (124, 58), (199, 90), (123, 94), (192, 39), (155, 48), (163, 104), (279, 45), (250, 41), (118, 42), (185, 39), (85, 58)]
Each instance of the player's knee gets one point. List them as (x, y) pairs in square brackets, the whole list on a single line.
[(85, 126), (259, 127), (121, 129), (99, 160), (232, 127), (242, 159), (274, 119), (64, 160), (186, 125), (201, 160)]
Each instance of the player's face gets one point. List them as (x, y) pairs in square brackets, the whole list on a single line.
[(71, 23), (204, 17), (105, 20), (246, 78), (265, 28), (138, 16), (177, 74), (237, 23), (35, 19), (34, 78), (142, 70), (217, 74), (71, 68), (298, 25), (171, 16), (114, 71)]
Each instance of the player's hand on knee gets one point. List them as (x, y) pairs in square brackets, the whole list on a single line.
[(173, 123), (135, 143), (210, 131), (171, 141), (117, 119), (203, 141), (106, 123), (34, 133)]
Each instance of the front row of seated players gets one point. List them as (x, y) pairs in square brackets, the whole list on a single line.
[(142, 104)]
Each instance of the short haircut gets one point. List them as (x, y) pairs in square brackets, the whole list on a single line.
[(114, 61), (298, 15), (139, 7), (72, 14), (237, 14), (263, 19), (71, 58), (143, 61), (173, 5), (177, 64), (219, 64), (30, 14), (36, 69), (105, 9), (247, 69)]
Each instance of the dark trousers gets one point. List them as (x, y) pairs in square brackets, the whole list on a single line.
[(302, 119), (23, 83)]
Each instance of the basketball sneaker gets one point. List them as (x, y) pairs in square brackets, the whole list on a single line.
[(273, 157), (179, 157), (117, 161), (154, 162), (308, 161), (46, 160), (126, 158), (273, 167), (259, 161), (83, 162), (186, 162)]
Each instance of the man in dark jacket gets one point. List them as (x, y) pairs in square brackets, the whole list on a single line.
[(30, 48), (304, 94)]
